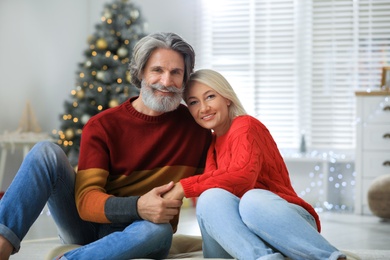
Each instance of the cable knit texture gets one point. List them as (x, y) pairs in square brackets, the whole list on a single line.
[(245, 158)]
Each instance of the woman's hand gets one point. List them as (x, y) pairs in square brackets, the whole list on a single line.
[(176, 193), (153, 206)]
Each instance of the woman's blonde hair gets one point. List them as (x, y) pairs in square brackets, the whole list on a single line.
[(217, 82)]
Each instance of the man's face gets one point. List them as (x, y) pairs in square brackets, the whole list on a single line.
[(162, 80)]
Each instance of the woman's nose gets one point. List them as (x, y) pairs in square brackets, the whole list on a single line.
[(204, 107)]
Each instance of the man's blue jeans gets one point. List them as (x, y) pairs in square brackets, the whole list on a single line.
[(260, 225), (46, 176)]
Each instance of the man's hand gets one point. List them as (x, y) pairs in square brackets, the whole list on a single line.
[(153, 207), (176, 193)]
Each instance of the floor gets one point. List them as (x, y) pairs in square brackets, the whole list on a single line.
[(344, 230)]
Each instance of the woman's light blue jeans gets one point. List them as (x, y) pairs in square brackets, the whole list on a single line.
[(46, 176), (260, 225)]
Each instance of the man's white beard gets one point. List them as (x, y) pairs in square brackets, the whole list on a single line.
[(160, 103)]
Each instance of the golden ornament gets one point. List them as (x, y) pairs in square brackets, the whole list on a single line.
[(113, 103), (80, 94), (101, 44), (69, 134)]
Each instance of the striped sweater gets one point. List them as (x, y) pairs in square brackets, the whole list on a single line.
[(125, 154)]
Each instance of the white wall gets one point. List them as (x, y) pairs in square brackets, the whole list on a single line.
[(41, 43)]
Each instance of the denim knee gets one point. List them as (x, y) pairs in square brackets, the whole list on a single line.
[(162, 238), (45, 148), (259, 197), (209, 199)]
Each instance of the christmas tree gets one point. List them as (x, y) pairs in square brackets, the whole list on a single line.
[(103, 80)]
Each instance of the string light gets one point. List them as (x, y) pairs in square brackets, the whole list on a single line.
[(334, 193)]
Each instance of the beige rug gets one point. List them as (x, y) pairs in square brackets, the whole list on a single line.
[(183, 247)]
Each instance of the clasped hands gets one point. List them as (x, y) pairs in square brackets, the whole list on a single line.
[(161, 204)]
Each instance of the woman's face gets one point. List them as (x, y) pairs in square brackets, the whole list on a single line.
[(209, 109)]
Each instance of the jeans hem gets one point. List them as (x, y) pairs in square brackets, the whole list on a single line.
[(11, 237)]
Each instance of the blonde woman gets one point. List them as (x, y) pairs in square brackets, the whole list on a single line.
[(247, 207)]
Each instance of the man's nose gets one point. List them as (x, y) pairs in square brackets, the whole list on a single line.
[(166, 80)]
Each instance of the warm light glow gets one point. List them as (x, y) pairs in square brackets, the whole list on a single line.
[(75, 120), (99, 89), (75, 104), (73, 92), (100, 107), (109, 21), (94, 53), (105, 67), (119, 80), (81, 75), (108, 54)]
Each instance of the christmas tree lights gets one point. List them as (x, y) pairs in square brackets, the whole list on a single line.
[(102, 80)]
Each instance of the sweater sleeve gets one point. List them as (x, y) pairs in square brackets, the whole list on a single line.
[(92, 201), (239, 159)]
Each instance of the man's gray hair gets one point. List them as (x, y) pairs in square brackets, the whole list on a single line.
[(144, 48)]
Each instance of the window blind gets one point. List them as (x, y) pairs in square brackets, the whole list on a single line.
[(295, 64)]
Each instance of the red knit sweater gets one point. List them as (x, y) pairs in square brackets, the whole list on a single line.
[(245, 158), (124, 154)]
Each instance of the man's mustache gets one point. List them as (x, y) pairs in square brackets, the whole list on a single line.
[(166, 88)]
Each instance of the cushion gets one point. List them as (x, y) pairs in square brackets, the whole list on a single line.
[(379, 196)]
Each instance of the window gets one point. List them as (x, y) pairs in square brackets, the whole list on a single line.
[(295, 64)]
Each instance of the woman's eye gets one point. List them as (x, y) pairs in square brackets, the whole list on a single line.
[(210, 96), (191, 103)]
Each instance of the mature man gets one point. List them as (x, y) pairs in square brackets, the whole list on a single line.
[(130, 156)]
